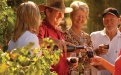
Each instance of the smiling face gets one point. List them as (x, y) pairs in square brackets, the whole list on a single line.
[(54, 17), (110, 22), (78, 17)]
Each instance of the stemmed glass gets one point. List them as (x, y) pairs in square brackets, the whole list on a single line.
[(73, 71)]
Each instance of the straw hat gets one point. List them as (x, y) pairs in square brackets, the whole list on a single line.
[(55, 4)]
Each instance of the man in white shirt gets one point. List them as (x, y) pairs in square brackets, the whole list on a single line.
[(109, 35)]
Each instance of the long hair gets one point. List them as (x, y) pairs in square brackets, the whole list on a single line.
[(28, 19)]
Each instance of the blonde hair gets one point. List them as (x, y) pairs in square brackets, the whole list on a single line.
[(79, 5), (28, 19)]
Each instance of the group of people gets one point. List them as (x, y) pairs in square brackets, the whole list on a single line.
[(29, 28)]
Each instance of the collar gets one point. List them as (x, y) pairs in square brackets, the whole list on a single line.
[(103, 32), (47, 24), (117, 35)]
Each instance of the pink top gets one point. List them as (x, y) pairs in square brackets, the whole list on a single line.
[(118, 65)]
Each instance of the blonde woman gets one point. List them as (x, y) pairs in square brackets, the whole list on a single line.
[(75, 34), (26, 26)]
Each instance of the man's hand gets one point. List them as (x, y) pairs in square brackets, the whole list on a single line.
[(62, 44), (102, 49)]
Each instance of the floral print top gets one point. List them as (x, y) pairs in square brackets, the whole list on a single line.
[(85, 39)]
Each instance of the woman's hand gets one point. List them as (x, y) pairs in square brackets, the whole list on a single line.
[(100, 61), (97, 61)]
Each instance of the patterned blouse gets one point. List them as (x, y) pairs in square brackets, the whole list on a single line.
[(70, 36)]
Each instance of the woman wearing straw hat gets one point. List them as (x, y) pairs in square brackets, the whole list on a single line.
[(54, 12)]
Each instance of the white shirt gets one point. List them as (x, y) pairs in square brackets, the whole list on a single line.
[(100, 37), (24, 40)]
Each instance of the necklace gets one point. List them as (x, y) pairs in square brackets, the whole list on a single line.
[(80, 38)]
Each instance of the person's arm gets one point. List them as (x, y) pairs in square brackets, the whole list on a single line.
[(108, 66), (100, 61), (60, 43)]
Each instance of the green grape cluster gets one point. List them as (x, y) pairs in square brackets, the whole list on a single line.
[(21, 62)]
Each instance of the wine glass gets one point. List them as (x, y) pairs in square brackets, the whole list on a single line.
[(73, 71)]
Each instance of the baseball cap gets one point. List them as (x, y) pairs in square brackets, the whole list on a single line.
[(112, 11)]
